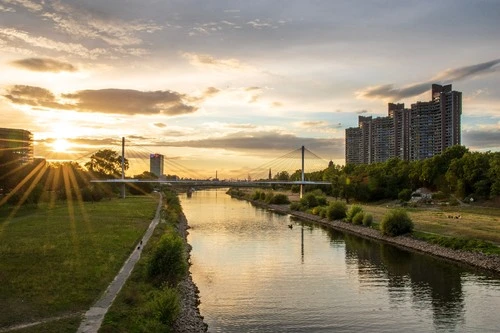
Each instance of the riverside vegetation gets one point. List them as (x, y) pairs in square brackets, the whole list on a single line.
[(150, 300), (477, 230)]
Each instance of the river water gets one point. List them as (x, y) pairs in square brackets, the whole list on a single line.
[(256, 274)]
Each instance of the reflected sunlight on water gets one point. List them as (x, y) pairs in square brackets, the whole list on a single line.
[(255, 274)]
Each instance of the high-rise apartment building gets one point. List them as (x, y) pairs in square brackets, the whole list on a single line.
[(427, 129), (17, 141), (156, 164)]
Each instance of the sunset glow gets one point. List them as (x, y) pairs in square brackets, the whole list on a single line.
[(245, 81), (61, 145)]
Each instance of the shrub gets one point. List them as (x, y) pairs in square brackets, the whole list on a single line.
[(165, 306), (256, 195), (168, 264), (269, 197), (321, 200), (262, 196), (295, 188), (280, 199), (295, 206), (396, 222), (353, 210), (367, 220), (439, 196), (316, 210), (309, 201), (322, 212), (358, 218), (336, 210), (405, 195)]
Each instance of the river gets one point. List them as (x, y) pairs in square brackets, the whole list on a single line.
[(256, 274)]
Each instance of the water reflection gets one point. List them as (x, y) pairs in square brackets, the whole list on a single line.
[(255, 274), (433, 283)]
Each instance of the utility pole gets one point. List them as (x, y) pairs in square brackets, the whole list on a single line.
[(123, 169)]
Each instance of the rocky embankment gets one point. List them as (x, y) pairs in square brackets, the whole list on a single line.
[(190, 320), (476, 259)]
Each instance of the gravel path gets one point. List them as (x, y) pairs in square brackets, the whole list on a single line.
[(93, 317)]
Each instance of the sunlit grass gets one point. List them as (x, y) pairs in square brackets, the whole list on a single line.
[(59, 258)]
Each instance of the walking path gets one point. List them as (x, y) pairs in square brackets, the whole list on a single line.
[(93, 317)]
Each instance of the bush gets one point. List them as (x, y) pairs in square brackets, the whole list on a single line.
[(295, 206), (396, 222), (316, 210), (353, 211), (168, 264), (358, 218), (367, 220), (295, 188), (269, 196), (279, 199), (439, 196), (309, 201), (336, 210), (322, 212), (405, 195), (321, 200), (165, 306), (256, 195)]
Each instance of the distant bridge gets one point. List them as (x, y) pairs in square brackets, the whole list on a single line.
[(209, 183)]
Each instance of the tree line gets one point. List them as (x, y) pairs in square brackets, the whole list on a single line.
[(22, 183), (457, 171)]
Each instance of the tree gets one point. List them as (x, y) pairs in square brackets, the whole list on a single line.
[(283, 175), (143, 188), (106, 163)]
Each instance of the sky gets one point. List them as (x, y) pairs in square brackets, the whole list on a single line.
[(231, 85)]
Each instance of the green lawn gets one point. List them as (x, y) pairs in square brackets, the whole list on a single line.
[(474, 222), (58, 260)]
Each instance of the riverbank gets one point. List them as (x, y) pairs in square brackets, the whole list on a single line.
[(189, 319), (476, 259)]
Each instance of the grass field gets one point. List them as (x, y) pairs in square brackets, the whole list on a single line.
[(57, 260), (475, 222)]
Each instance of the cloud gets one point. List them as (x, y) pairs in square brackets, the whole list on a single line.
[(362, 111), (30, 5), (462, 73), (33, 96), (208, 61), (114, 101), (388, 92), (127, 101), (79, 21), (242, 126), (318, 123), (16, 36), (482, 139), (160, 125), (44, 65), (259, 141)]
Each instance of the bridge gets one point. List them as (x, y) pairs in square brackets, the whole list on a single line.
[(221, 183)]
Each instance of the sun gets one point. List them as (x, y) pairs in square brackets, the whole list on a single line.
[(61, 146)]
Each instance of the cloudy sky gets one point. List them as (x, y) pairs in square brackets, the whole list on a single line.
[(229, 85)]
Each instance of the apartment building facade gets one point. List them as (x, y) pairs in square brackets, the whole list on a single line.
[(424, 130)]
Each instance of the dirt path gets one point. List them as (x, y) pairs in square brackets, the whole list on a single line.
[(93, 317)]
